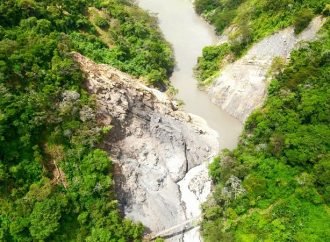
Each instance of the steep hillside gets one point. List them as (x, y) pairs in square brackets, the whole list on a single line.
[(275, 185), (241, 86), (55, 185), (160, 152), (244, 22)]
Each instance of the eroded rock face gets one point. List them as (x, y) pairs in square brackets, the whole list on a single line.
[(241, 86), (154, 145)]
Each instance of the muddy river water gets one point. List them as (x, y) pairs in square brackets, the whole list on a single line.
[(188, 34)]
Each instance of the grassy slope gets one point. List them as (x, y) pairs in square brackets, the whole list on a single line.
[(283, 160), (47, 122)]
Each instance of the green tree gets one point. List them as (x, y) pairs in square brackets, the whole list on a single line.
[(44, 219)]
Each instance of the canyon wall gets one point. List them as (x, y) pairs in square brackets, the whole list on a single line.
[(160, 152)]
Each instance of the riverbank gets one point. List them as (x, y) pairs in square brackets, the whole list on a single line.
[(242, 85), (189, 34)]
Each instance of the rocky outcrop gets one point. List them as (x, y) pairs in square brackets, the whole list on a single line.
[(154, 145), (241, 86)]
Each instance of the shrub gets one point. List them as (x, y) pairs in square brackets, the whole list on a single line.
[(210, 61), (302, 20), (205, 5), (101, 22), (326, 10)]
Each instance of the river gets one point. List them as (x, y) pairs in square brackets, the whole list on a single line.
[(188, 34)]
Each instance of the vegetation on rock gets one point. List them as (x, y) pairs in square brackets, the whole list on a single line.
[(213, 57)]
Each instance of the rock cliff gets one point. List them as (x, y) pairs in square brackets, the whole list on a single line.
[(241, 86), (160, 152)]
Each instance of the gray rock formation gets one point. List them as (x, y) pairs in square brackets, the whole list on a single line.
[(241, 86), (154, 146)]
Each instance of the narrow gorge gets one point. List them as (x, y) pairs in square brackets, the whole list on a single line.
[(164, 120), (162, 150)]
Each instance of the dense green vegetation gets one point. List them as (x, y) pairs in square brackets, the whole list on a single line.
[(133, 38), (252, 20), (213, 57), (275, 186), (55, 185)]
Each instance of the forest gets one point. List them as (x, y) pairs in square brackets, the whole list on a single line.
[(55, 184), (275, 186)]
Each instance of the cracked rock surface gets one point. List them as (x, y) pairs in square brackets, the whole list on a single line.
[(154, 145)]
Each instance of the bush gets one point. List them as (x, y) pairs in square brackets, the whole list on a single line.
[(326, 10), (205, 5), (101, 22), (223, 19), (302, 20), (209, 64)]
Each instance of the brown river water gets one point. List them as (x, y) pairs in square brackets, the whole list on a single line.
[(188, 34)]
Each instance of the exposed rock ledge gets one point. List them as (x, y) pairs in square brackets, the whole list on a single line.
[(154, 145), (241, 86)]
